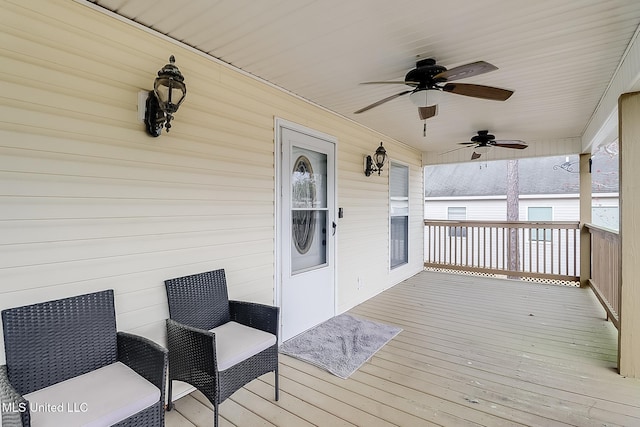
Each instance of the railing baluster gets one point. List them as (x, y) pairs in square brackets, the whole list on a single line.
[(530, 252), (484, 246), (552, 259), (490, 247), (566, 264), (455, 246), (544, 251), (504, 247), (428, 236), (439, 261), (449, 245), (473, 246), (538, 249), (575, 252), (522, 236), (466, 241)]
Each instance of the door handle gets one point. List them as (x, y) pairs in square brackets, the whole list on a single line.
[(334, 225)]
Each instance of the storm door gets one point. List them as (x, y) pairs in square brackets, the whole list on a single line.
[(307, 227)]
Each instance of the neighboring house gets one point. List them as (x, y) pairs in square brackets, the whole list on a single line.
[(549, 190)]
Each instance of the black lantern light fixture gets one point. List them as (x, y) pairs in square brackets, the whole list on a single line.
[(163, 101), (376, 163)]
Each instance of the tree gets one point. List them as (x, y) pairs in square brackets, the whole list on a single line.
[(513, 214)]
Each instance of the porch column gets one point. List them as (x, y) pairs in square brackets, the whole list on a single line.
[(629, 143), (585, 218)]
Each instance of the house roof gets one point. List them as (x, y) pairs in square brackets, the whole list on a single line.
[(542, 175)]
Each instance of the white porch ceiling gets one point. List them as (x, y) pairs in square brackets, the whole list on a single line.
[(559, 56)]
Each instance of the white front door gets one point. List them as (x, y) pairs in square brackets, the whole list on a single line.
[(306, 231)]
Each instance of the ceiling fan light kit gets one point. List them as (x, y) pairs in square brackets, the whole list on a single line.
[(425, 97)]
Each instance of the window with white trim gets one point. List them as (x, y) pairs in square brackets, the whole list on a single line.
[(543, 214), (399, 221), (457, 213)]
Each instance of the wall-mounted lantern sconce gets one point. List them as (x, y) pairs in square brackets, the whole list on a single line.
[(376, 163), (163, 101)]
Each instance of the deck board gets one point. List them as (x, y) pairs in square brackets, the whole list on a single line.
[(473, 351)]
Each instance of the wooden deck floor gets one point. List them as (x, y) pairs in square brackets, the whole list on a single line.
[(473, 351)]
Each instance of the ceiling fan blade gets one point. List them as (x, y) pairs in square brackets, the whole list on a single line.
[(478, 91), (464, 71), (468, 143), (382, 101), (427, 112), (510, 144), (451, 151), (475, 156)]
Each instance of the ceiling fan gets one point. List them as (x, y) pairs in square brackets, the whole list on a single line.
[(483, 141), (429, 80)]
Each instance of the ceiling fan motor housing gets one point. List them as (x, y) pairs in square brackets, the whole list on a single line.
[(483, 137), (422, 76)]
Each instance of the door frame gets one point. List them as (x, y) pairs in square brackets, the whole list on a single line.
[(279, 125)]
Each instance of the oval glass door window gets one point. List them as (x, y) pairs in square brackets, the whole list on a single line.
[(304, 194), (308, 209)]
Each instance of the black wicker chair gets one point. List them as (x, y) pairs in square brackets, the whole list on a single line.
[(61, 340), (199, 310)]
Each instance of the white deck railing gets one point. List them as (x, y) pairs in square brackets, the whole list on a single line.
[(605, 269), (520, 249)]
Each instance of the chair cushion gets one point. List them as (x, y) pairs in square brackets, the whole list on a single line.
[(102, 397), (236, 342)]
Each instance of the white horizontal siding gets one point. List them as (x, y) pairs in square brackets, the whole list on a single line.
[(88, 201), (364, 229), (486, 209), (495, 209), (562, 209), (565, 208)]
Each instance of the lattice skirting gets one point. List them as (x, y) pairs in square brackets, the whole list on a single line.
[(503, 276)]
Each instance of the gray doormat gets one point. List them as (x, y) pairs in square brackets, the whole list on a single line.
[(341, 344)]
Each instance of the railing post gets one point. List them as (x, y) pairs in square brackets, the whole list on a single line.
[(585, 218), (629, 331)]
